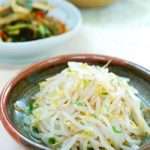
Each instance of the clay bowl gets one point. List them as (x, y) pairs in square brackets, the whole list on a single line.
[(25, 85)]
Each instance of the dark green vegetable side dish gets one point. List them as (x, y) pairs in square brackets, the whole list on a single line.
[(22, 21)]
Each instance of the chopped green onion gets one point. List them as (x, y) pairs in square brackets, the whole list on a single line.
[(14, 32), (79, 103), (43, 31), (93, 115), (52, 141), (31, 106), (35, 129), (90, 148), (116, 130), (104, 93), (17, 26)]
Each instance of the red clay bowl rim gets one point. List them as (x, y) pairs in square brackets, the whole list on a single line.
[(53, 61)]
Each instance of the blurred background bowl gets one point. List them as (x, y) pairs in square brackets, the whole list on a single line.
[(91, 3), (21, 53)]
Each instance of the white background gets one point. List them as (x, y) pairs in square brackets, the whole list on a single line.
[(122, 30)]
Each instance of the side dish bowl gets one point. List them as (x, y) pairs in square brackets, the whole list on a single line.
[(25, 85), (32, 51)]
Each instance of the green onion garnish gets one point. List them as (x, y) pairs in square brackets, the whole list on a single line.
[(52, 140), (116, 130)]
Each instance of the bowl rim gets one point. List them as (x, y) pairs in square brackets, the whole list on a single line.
[(71, 31), (52, 62)]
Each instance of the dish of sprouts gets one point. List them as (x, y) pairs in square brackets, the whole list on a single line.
[(87, 107)]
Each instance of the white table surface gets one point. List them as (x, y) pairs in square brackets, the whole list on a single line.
[(122, 30)]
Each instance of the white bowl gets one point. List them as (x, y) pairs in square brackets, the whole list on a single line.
[(32, 51)]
